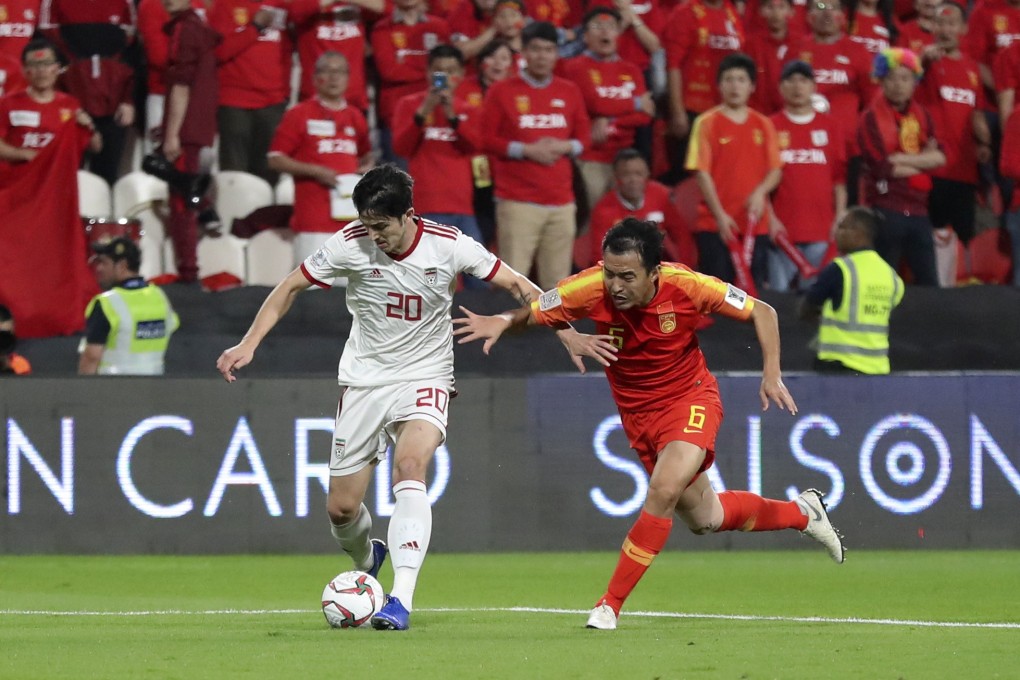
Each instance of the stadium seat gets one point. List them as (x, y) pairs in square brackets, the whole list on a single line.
[(983, 260), (285, 190), (136, 191), (94, 198), (141, 196), (238, 193), (270, 257), (222, 254)]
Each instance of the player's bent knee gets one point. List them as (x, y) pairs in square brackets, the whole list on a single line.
[(342, 510)]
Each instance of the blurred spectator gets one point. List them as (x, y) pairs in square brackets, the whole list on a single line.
[(992, 26), (811, 196), (698, 35), (771, 48), (254, 76), (735, 155), (854, 296), (12, 77), (951, 91), (317, 141), (916, 34), (97, 38), (333, 26), (17, 26), (495, 63), (641, 26), (127, 327), (189, 124), (532, 125), (898, 142), (615, 97), (152, 17), (634, 195), (508, 22), (400, 45), (471, 26), (10, 361), (1007, 79), (437, 131), (842, 78), (871, 24)]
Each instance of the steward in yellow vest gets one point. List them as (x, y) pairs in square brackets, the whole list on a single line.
[(854, 297), (127, 327)]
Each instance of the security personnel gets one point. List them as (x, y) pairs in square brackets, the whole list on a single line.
[(854, 296), (128, 327)]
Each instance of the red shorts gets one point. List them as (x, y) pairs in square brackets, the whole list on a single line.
[(695, 418)]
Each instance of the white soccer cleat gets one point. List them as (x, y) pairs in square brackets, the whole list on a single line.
[(818, 526), (602, 618)]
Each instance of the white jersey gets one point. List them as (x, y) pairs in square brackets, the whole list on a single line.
[(401, 305)]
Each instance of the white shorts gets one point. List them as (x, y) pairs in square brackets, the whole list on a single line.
[(367, 420)]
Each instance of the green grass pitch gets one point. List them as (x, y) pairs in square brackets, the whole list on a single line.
[(734, 615)]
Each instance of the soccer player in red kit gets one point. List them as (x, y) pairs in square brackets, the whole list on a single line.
[(668, 400)]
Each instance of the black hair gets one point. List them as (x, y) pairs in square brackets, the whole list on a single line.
[(384, 191), (42, 44), (885, 10), (5, 314), (601, 10), (628, 154), (737, 60), (637, 236), (539, 30), (865, 219), (445, 52)]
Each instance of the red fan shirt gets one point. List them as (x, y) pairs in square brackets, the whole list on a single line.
[(659, 359), (28, 124), (12, 77), (993, 25), (696, 38), (152, 17), (657, 207), (628, 46), (769, 55), (814, 161), (338, 29), (914, 37), (313, 133), (951, 90), (401, 57), (870, 32), (254, 69), (17, 24)]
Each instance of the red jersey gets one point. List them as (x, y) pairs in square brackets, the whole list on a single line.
[(951, 90), (559, 13), (401, 57), (737, 156), (191, 61), (659, 359), (870, 32), (628, 46), (843, 77), (914, 37), (754, 22), (517, 111), (657, 207), (610, 88), (466, 21), (439, 156), (993, 25), (254, 69), (152, 17), (28, 124), (17, 24), (338, 29), (814, 161), (53, 13), (12, 78), (769, 55), (312, 133), (696, 39)]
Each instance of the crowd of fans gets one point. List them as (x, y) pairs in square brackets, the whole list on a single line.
[(534, 125)]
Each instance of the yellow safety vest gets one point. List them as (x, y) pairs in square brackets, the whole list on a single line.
[(141, 323), (857, 334)]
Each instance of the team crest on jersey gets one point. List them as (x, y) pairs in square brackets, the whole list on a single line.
[(596, 77), (399, 40), (784, 139), (667, 317), (819, 137), (65, 115), (523, 103), (759, 138), (431, 276), (339, 445), (3, 13), (1001, 23), (702, 36), (241, 16)]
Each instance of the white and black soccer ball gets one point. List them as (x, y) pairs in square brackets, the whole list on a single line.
[(351, 599)]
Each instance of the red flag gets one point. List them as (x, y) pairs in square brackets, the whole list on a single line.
[(45, 279)]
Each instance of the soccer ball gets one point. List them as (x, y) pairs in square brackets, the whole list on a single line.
[(351, 599)]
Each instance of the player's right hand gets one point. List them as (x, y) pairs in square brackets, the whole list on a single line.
[(232, 359)]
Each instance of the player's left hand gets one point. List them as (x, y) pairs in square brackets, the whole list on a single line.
[(598, 347), (477, 327), (773, 389)]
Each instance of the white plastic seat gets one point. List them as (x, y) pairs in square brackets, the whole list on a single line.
[(225, 253), (270, 256), (136, 191), (238, 194), (94, 198), (285, 190)]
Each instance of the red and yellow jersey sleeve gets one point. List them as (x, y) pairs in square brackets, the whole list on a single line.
[(709, 294), (574, 298), (699, 148)]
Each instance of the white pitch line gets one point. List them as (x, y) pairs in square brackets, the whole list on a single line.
[(535, 610)]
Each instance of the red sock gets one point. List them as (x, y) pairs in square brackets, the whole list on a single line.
[(643, 543), (746, 511)]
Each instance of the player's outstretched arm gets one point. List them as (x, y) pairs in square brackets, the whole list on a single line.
[(766, 325), (275, 306)]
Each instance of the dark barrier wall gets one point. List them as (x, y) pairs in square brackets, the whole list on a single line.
[(120, 465)]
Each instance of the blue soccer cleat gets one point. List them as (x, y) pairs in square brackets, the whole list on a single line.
[(379, 552), (392, 616)]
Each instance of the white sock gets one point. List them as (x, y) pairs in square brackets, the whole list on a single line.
[(409, 534), (355, 538)]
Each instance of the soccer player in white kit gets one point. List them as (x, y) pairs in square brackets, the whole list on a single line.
[(397, 366)]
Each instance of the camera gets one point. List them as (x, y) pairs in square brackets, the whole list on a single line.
[(440, 80)]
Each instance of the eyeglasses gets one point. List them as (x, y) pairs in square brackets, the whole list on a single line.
[(822, 6), (40, 64)]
